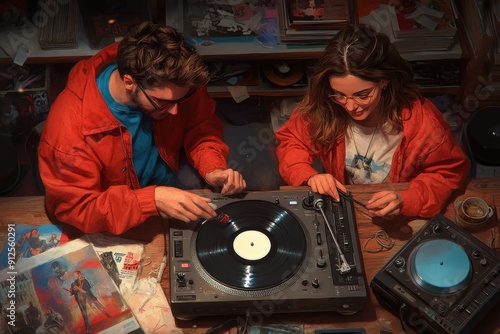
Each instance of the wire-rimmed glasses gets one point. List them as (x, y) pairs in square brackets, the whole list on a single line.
[(362, 99), (165, 104)]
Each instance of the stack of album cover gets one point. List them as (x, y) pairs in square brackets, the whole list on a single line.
[(66, 289), (60, 30), (304, 22), (429, 26)]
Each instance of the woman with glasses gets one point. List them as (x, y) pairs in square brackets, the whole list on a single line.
[(365, 120), (111, 146)]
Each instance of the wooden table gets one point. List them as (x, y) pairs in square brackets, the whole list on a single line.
[(374, 318)]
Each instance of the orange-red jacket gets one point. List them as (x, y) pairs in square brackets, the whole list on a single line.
[(428, 158), (85, 154)]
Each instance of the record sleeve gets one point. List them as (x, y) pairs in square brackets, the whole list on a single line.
[(63, 290), (31, 241)]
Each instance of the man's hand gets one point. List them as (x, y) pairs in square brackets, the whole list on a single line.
[(385, 203), (183, 205), (326, 184), (229, 180)]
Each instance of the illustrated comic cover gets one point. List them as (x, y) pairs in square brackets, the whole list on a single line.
[(63, 290), (119, 256), (33, 240)]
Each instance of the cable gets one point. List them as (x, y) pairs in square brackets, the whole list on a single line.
[(401, 320), (353, 199), (165, 253), (383, 240), (223, 327)]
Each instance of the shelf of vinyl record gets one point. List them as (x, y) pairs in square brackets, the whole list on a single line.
[(273, 43), (14, 42)]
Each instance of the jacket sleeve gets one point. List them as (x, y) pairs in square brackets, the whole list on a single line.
[(434, 165), (203, 139), (75, 191), (294, 152), (73, 195)]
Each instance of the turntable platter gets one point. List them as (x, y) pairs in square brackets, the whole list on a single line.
[(258, 245), (440, 266)]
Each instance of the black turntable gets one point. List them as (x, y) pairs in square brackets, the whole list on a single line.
[(444, 280), (268, 252)]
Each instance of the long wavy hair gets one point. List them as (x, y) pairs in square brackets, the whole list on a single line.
[(155, 54), (369, 55)]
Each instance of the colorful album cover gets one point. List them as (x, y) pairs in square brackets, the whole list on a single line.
[(222, 19), (64, 290), (119, 256), (30, 241), (318, 11)]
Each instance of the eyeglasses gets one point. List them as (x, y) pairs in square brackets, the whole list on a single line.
[(361, 99), (165, 104)]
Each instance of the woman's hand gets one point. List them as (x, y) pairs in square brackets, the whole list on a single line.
[(326, 184), (386, 203)]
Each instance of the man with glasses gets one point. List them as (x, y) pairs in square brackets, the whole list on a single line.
[(110, 149), (364, 118)]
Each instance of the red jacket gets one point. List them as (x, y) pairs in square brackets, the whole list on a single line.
[(85, 154), (427, 157)]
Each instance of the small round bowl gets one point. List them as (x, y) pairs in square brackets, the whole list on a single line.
[(472, 212)]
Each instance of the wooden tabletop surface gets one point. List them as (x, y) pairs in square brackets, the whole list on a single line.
[(373, 317)]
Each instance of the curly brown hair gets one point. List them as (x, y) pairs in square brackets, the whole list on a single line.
[(367, 54), (154, 54)]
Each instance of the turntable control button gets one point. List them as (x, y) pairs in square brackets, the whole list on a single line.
[(190, 282), (318, 238), (181, 280), (276, 201), (399, 262), (437, 229), (441, 307), (483, 262), (476, 253), (304, 282), (315, 283), (308, 202), (178, 248), (321, 263)]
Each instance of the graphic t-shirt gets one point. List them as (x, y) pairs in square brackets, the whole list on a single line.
[(369, 152)]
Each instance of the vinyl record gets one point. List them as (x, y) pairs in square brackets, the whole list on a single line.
[(284, 74), (252, 245), (440, 266)]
